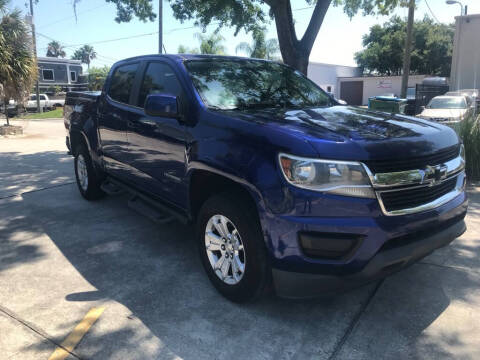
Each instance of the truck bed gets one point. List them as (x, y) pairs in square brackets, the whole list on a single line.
[(73, 97)]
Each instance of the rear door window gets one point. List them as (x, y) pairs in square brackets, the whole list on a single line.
[(122, 83), (159, 79)]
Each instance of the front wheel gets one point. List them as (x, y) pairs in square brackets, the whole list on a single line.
[(232, 248), (88, 181)]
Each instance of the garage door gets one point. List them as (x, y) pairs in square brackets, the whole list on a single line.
[(352, 92)]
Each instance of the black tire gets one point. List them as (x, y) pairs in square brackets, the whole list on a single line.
[(244, 217), (93, 190)]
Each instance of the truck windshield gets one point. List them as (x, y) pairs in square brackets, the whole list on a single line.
[(252, 84)]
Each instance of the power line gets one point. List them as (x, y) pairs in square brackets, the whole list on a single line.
[(72, 17), (431, 12), (106, 57), (101, 41), (112, 40), (135, 36)]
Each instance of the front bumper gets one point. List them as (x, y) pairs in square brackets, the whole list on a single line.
[(386, 243), (384, 263)]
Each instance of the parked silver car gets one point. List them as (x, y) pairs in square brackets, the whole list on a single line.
[(448, 109)]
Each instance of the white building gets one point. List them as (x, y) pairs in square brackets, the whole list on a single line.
[(326, 75), (465, 73)]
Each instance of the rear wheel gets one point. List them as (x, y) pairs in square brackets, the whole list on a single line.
[(88, 181), (232, 248)]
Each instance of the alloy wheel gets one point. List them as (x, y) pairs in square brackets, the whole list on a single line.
[(82, 172), (225, 249)]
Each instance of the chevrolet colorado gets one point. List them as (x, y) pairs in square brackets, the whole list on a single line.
[(286, 186)]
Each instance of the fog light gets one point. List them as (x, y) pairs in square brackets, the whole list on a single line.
[(333, 246)]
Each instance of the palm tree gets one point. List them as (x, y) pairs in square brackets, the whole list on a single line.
[(18, 69), (55, 50), (261, 48), (85, 54), (182, 49), (211, 44)]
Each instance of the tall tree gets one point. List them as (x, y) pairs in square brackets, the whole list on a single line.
[(384, 45), (97, 77), (54, 49), (182, 49), (211, 44), (18, 69), (85, 54), (127, 9), (260, 48), (249, 14)]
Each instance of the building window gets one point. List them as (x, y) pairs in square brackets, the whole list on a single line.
[(47, 75), (73, 76)]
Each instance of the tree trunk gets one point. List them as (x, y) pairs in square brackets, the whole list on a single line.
[(5, 107), (299, 61), (296, 52)]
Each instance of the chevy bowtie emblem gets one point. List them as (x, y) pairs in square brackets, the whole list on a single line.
[(434, 174)]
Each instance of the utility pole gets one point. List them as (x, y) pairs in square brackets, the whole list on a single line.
[(160, 26), (34, 44), (408, 49)]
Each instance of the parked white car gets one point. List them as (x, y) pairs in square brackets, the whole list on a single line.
[(45, 102), (448, 109)]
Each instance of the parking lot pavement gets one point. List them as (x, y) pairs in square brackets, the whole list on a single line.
[(61, 256), (35, 160)]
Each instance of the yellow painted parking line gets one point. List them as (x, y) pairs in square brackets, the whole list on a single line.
[(77, 334)]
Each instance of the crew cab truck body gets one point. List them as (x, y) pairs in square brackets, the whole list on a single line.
[(285, 185)]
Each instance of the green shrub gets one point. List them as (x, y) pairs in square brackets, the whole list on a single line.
[(469, 132)]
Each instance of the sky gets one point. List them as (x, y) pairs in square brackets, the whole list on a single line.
[(338, 40)]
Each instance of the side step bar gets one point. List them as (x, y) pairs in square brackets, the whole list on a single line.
[(143, 208), (143, 204), (110, 188)]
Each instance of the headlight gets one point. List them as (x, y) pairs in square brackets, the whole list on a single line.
[(331, 176)]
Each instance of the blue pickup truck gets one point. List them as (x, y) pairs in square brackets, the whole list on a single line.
[(289, 190)]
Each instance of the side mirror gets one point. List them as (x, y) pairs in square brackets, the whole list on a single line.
[(162, 106)]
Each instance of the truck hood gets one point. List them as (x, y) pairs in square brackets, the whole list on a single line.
[(353, 133)]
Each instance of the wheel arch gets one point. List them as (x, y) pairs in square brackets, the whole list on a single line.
[(77, 138), (204, 183)]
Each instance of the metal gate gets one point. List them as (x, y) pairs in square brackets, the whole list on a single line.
[(425, 93)]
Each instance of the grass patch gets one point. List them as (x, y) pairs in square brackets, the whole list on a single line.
[(54, 114)]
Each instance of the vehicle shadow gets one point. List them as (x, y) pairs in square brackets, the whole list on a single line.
[(154, 271), (38, 170)]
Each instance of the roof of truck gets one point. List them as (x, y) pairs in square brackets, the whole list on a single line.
[(180, 57)]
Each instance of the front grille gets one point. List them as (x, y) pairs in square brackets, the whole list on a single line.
[(411, 198), (420, 162)]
